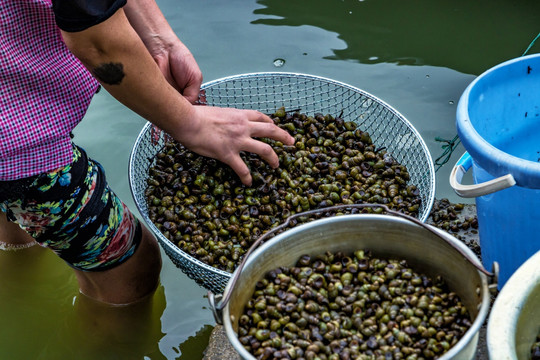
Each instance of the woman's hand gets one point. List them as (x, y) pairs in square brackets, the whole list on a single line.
[(222, 133), (180, 69), (174, 59)]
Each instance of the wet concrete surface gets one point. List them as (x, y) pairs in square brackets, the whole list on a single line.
[(219, 347)]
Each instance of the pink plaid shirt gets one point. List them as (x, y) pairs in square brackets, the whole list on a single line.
[(44, 91)]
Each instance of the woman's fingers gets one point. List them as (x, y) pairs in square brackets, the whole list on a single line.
[(260, 148), (261, 126), (264, 150), (224, 133), (258, 116), (269, 130), (240, 168)]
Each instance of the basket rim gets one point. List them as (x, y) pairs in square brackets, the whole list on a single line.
[(169, 245), (269, 74)]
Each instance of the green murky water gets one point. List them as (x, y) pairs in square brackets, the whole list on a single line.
[(417, 55)]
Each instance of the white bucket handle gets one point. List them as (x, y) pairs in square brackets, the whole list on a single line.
[(470, 191)]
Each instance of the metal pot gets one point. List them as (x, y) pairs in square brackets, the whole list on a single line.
[(514, 321), (427, 249)]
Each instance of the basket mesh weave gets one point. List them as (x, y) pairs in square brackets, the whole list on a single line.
[(309, 94)]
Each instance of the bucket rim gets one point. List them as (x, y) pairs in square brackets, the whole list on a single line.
[(502, 325), (525, 172), (467, 338)]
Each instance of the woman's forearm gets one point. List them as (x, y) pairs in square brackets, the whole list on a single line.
[(162, 91), (173, 58), (150, 23), (117, 57)]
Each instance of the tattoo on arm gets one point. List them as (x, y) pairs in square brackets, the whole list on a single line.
[(111, 73)]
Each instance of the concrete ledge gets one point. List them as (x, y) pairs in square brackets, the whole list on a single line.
[(219, 347)]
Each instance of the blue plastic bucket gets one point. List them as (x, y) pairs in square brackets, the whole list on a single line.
[(498, 122)]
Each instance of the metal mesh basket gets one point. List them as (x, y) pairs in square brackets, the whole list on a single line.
[(267, 92)]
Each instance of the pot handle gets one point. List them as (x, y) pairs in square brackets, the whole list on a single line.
[(222, 300), (217, 311), (470, 191)]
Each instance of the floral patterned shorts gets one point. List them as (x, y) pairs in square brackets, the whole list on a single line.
[(73, 211)]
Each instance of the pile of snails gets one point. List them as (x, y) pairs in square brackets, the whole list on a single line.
[(339, 306), (535, 349), (201, 206)]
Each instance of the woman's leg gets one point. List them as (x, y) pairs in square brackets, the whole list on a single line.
[(73, 212), (128, 282)]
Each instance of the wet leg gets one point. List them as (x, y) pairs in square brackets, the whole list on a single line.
[(129, 282)]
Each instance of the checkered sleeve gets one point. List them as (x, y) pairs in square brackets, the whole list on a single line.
[(44, 91)]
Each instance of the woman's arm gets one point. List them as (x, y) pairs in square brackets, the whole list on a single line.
[(173, 58), (118, 58)]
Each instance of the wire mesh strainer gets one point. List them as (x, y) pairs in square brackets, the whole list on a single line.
[(310, 94)]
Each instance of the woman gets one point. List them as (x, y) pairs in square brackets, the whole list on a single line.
[(55, 54)]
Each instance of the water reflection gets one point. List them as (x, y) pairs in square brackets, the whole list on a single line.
[(467, 36), (35, 295), (44, 316), (191, 349), (125, 332)]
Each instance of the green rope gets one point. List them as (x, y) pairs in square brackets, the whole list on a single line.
[(531, 44), (451, 145), (448, 150)]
